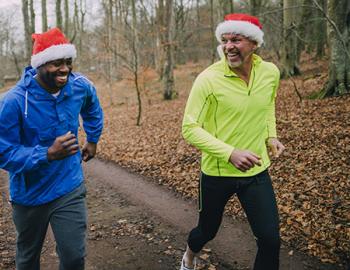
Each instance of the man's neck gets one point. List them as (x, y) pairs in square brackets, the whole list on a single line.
[(244, 70), (45, 87)]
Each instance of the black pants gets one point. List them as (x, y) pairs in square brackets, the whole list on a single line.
[(258, 200)]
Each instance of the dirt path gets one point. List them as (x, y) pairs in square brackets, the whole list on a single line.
[(135, 224)]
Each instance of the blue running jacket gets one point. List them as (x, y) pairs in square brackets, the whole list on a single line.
[(30, 120)]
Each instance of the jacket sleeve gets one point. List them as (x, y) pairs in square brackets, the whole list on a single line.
[(92, 115), (271, 117), (197, 106), (15, 157)]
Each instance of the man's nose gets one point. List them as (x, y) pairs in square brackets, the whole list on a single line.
[(64, 67), (230, 45)]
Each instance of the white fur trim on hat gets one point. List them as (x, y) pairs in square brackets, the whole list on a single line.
[(244, 28), (53, 53)]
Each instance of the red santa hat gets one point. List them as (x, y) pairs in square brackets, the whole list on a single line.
[(49, 46), (243, 24)]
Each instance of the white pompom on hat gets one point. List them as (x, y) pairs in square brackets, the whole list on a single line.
[(49, 46), (242, 24)]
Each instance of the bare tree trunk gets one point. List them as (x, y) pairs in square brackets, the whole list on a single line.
[(32, 17), (339, 33), (212, 29), (226, 7), (116, 29), (58, 14), (135, 45), (304, 34), (159, 56), (255, 6), (82, 24), (66, 17), (290, 48), (75, 18), (43, 15), (179, 35), (108, 7), (27, 31), (196, 54), (168, 77), (321, 33)]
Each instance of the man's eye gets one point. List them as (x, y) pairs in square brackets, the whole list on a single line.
[(56, 63), (69, 61)]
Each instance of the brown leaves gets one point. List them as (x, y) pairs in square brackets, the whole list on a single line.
[(7, 234)]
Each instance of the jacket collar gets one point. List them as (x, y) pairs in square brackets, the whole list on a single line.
[(29, 83)]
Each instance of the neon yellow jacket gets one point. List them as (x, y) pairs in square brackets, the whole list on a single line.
[(223, 113)]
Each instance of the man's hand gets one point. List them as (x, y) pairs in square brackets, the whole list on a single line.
[(275, 146), (64, 146), (244, 160), (88, 151)]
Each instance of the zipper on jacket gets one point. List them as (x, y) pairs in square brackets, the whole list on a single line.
[(253, 77)]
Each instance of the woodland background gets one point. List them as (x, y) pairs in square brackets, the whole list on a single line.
[(143, 56)]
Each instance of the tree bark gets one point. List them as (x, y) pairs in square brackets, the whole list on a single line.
[(339, 34), (82, 24), (135, 64), (27, 30), (255, 6), (32, 17), (303, 29), (43, 15), (213, 39), (225, 7), (290, 43), (168, 77), (320, 35), (66, 17), (159, 53), (58, 14)]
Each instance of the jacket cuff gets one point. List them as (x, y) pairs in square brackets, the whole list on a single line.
[(228, 153), (272, 133), (92, 139), (41, 154)]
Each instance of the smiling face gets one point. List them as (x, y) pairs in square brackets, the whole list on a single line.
[(238, 49), (53, 75)]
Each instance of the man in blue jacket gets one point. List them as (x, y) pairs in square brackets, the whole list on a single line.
[(39, 121)]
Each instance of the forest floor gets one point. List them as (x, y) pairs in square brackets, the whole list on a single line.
[(311, 178), (135, 224)]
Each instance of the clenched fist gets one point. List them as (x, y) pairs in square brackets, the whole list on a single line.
[(244, 160), (64, 146)]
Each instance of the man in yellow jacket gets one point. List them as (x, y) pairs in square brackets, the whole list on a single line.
[(230, 117)]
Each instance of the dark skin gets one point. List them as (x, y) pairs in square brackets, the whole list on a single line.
[(53, 76)]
